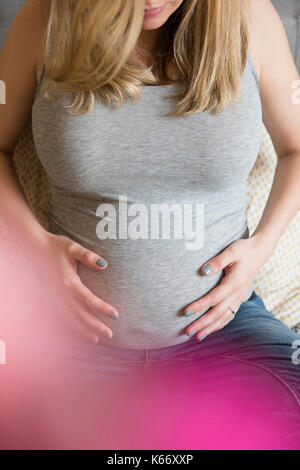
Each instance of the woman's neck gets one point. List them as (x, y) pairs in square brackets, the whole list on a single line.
[(146, 43), (147, 40)]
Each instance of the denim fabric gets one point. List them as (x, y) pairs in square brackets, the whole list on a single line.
[(238, 388), (253, 338)]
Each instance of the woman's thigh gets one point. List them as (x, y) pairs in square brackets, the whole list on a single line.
[(237, 388), (254, 338), (241, 380)]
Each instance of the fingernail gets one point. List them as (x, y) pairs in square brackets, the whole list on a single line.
[(108, 334), (192, 332), (101, 262), (189, 312), (201, 338), (207, 269), (113, 315)]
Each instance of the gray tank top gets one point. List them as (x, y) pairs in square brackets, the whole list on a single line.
[(136, 187)]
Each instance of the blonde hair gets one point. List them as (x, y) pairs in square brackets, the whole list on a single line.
[(91, 50)]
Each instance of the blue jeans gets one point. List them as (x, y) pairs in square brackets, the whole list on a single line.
[(239, 383), (253, 338)]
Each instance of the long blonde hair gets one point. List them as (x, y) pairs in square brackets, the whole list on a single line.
[(91, 50)]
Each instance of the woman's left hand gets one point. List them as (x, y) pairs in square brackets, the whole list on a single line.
[(241, 262)]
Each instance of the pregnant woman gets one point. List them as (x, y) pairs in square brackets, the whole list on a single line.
[(147, 118)]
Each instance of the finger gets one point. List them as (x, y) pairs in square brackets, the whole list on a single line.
[(80, 328), (214, 315), (85, 295), (93, 324), (216, 326), (84, 321), (227, 287), (203, 322), (89, 258), (219, 262)]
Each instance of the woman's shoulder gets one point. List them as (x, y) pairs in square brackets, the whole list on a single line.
[(278, 74), (265, 32), (20, 57), (26, 34)]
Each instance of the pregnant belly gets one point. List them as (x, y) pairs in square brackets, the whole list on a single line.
[(150, 282)]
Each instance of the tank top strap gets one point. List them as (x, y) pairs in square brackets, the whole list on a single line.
[(41, 80), (42, 76), (253, 69)]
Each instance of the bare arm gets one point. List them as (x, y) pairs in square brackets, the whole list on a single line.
[(242, 259), (20, 59), (281, 117), (20, 64)]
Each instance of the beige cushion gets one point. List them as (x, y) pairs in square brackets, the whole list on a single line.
[(31, 175)]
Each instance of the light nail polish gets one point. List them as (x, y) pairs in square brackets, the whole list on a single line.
[(107, 334), (201, 338), (189, 312), (207, 269), (113, 315), (192, 332), (101, 262)]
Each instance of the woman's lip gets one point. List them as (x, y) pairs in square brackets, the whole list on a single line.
[(154, 11)]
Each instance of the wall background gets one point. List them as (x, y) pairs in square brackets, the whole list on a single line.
[(8, 9)]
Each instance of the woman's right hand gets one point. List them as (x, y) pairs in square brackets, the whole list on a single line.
[(55, 256), (80, 308)]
